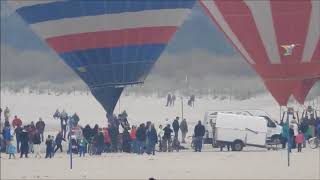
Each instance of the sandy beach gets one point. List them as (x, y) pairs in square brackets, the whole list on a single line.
[(210, 164)]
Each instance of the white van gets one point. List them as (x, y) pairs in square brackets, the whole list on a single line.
[(240, 131), (273, 133)]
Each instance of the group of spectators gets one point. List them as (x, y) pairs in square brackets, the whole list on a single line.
[(118, 136), (298, 133), (28, 136)]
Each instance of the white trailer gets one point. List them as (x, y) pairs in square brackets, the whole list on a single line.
[(240, 131)]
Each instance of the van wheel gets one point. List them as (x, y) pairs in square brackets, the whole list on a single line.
[(237, 146), (276, 139)]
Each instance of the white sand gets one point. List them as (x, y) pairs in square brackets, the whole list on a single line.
[(210, 164)]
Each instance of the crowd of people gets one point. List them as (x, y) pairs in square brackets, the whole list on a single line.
[(118, 136), (295, 134)]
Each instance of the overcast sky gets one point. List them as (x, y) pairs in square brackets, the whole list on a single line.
[(198, 50)]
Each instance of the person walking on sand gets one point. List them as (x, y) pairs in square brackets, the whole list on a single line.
[(58, 142), (168, 100)]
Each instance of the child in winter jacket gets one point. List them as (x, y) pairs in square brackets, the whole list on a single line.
[(11, 150), (299, 140), (82, 146)]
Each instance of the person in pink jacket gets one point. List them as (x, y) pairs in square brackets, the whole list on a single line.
[(299, 140)]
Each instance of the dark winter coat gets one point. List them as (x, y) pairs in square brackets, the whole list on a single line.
[(18, 132), (100, 139), (113, 132), (37, 138), (87, 132), (126, 141), (76, 118), (141, 134), (303, 127), (199, 130), (167, 133), (40, 126), (59, 139), (175, 125), (152, 136), (24, 137)]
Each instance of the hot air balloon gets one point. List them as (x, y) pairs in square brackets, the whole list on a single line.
[(279, 39), (108, 43)]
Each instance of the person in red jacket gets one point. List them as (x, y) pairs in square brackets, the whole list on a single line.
[(299, 140), (16, 122), (107, 140), (133, 137)]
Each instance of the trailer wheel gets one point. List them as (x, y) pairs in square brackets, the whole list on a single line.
[(237, 145)]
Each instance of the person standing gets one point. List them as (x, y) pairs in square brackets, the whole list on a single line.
[(167, 140), (160, 136), (168, 100), (295, 131), (16, 122), (284, 135), (126, 141), (82, 145), (141, 138), (18, 132), (114, 133), (76, 119), (184, 130), (6, 114), (176, 127), (299, 140), (199, 132), (56, 115), (152, 139), (173, 99), (291, 141), (133, 137), (6, 136), (24, 143), (304, 128), (107, 140), (100, 143), (37, 142), (0, 114), (11, 150), (63, 122), (40, 125), (48, 147)]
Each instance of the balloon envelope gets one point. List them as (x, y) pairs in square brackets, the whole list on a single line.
[(279, 39), (108, 43)]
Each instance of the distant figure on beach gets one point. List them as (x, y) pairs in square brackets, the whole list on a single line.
[(168, 100)]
